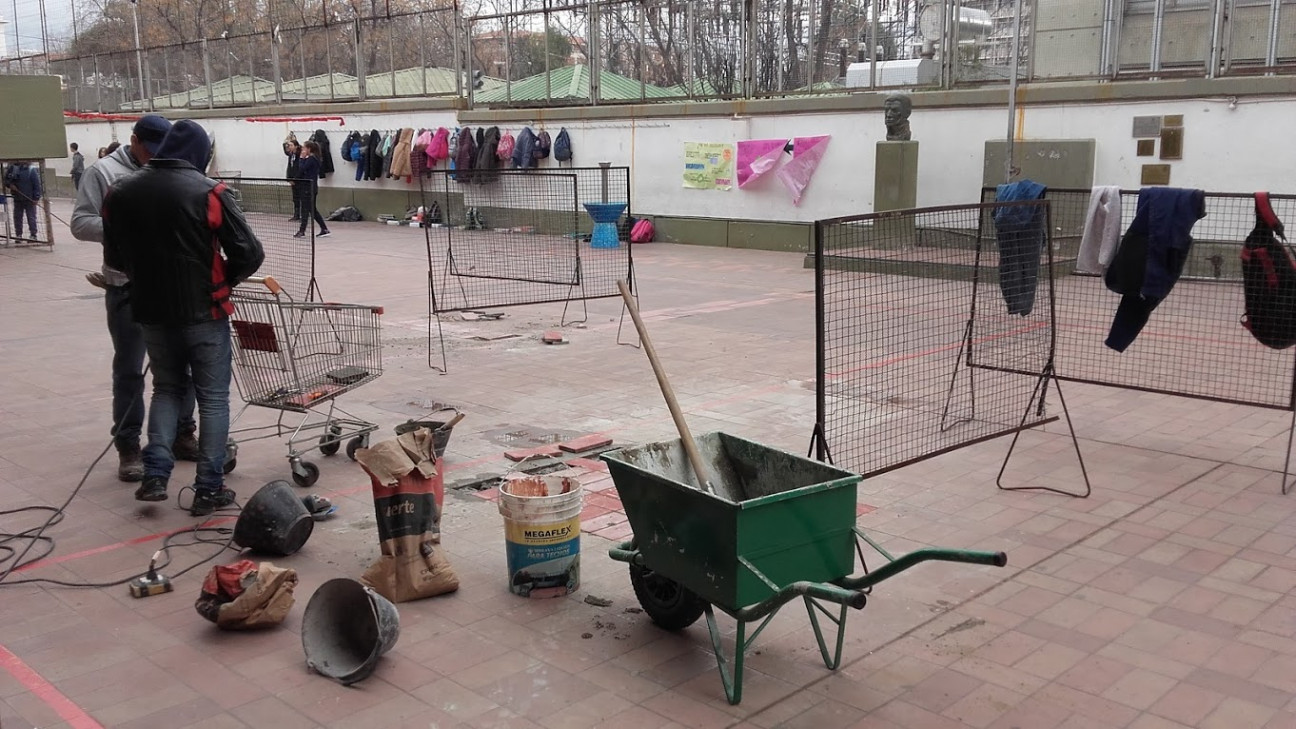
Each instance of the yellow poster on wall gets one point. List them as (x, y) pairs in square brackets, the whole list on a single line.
[(708, 166)]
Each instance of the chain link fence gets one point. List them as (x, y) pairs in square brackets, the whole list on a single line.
[(552, 52)]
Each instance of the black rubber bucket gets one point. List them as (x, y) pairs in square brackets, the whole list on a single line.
[(346, 628), (440, 437), (274, 521)]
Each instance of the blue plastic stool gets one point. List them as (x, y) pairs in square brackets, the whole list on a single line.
[(605, 216)]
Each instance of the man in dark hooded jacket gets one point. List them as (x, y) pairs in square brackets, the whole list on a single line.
[(185, 244)]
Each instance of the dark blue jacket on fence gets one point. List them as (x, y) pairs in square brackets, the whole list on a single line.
[(1020, 232), (1151, 257)]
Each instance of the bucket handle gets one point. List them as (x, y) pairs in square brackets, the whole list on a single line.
[(459, 415)]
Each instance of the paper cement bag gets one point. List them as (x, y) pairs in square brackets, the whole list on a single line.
[(409, 492)]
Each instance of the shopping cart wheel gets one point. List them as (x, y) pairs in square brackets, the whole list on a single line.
[(329, 448), (231, 457), (355, 444), (309, 476)]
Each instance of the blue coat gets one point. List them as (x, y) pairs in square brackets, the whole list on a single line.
[(1020, 232), (24, 181), (1151, 257)]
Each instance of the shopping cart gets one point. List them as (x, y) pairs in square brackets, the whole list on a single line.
[(299, 357)]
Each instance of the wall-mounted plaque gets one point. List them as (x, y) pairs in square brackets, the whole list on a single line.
[(1155, 175), (1146, 147), (1147, 126), (1171, 143)]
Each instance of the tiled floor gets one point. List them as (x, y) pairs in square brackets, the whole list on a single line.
[(1167, 599)]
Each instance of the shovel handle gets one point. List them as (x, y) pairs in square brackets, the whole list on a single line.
[(686, 437)]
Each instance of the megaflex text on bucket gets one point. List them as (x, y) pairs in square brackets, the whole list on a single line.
[(542, 534)]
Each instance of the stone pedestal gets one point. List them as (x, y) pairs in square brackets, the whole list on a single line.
[(895, 176)]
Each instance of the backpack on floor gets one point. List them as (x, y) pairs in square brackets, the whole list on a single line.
[(643, 231), (1269, 280)]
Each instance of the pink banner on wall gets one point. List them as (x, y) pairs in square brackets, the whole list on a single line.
[(757, 157), (807, 153)]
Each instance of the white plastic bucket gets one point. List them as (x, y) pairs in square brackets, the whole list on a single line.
[(542, 534)]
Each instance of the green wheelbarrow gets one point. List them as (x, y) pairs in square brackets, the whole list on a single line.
[(777, 527)]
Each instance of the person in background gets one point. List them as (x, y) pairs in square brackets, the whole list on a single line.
[(183, 240), (24, 184), (78, 166), (103, 152), (308, 172), (293, 150), (127, 336)]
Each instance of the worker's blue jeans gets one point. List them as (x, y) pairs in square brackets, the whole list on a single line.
[(128, 373), (176, 352)]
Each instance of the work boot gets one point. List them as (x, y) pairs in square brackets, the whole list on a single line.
[(154, 488), (185, 447), (208, 500), (130, 463)]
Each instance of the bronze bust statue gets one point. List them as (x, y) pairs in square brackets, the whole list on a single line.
[(896, 110)]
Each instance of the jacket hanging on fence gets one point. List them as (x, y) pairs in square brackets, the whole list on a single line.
[(1151, 257), (465, 155), (418, 153), (389, 142), (439, 148), (524, 149), (1101, 231), (400, 165), (373, 156), (1020, 232), (326, 155), (488, 163)]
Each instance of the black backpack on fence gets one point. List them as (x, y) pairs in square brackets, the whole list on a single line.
[(1269, 280)]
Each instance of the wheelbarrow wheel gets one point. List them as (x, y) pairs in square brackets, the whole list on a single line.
[(670, 605)]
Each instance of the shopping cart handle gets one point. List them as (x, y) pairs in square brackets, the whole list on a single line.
[(268, 281)]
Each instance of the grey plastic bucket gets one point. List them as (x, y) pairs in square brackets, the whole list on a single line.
[(274, 521), (346, 628)]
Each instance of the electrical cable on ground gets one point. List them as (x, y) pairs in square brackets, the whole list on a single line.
[(11, 559)]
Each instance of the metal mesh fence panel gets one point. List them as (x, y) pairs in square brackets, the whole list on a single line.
[(517, 237), (1194, 344), (25, 222), (268, 205), (930, 336)]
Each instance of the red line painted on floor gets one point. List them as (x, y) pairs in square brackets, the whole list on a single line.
[(213, 522), (936, 350), (346, 492), (45, 691)]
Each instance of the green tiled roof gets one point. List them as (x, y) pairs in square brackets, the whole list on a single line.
[(572, 82), (409, 82), (239, 90)]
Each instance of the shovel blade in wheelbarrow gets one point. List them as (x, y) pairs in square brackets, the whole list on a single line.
[(788, 517)]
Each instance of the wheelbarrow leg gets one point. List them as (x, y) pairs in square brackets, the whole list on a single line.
[(732, 677), (814, 608)]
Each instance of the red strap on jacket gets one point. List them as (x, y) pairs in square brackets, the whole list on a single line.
[(221, 304)]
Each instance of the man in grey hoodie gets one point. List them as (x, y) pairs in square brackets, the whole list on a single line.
[(127, 336)]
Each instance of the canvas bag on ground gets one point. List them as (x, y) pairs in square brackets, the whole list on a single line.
[(409, 491), (247, 596)]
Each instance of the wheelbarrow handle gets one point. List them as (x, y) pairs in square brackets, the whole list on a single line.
[(904, 562)]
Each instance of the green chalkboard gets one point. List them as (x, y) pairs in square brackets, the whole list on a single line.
[(31, 118)]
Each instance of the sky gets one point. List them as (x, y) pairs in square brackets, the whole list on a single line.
[(58, 15)]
